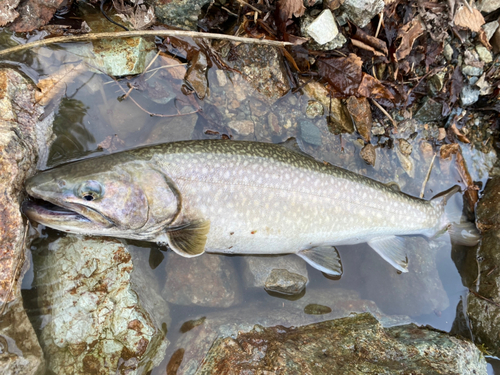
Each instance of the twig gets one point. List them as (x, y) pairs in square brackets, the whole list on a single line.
[(380, 20), (427, 176), (249, 5), (151, 62), (385, 113), (231, 13), (486, 299), (135, 33)]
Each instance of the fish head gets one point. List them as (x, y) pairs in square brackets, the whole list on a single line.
[(128, 200)]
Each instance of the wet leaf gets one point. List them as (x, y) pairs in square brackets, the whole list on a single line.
[(360, 112), (285, 9), (471, 19), (111, 144), (457, 83), (343, 73), (139, 18), (7, 11), (54, 86), (408, 34)]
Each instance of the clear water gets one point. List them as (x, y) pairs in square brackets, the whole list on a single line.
[(90, 113)]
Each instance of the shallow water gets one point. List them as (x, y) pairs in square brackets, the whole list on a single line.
[(91, 113)]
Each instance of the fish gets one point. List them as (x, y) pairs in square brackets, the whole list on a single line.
[(238, 197)]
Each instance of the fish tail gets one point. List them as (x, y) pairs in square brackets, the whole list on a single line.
[(462, 231)]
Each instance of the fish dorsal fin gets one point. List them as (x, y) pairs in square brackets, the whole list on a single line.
[(324, 258), (393, 250), (293, 145), (189, 240)]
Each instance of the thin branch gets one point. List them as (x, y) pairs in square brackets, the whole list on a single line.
[(249, 5), (130, 34), (380, 20), (385, 113), (427, 176)]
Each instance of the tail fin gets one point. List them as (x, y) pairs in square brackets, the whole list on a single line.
[(461, 231)]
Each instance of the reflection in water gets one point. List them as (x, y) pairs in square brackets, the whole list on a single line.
[(73, 137)]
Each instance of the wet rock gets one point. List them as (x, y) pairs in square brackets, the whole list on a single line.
[(483, 306), (361, 12), (196, 75), (261, 66), (488, 6), (414, 293), (484, 54), (257, 269), (34, 14), (323, 30), (314, 109), (309, 132), (179, 13), (97, 320), (469, 95), (8, 12), (429, 111), (490, 28), (208, 280), (20, 135), (242, 127), (315, 309), (285, 282), (405, 147), (473, 71), (339, 120), (369, 154), (197, 341), (20, 352), (360, 111), (354, 345)]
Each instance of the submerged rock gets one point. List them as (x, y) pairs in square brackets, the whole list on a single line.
[(420, 291), (96, 319), (314, 306), (179, 13), (20, 352), (354, 345), (258, 272), (208, 280)]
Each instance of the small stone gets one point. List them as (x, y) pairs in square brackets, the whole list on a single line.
[(273, 123), (315, 309), (369, 154), (310, 133), (324, 28), (472, 71), (242, 127), (484, 53), (360, 12), (429, 111), (314, 109), (487, 6), (332, 42), (221, 77), (360, 111), (405, 147), (285, 282), (378, 130), (469, 95), (448, 52), (490, 28)]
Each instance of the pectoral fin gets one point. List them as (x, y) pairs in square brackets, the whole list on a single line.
[(324, 258), (189, 240), (393, 250)]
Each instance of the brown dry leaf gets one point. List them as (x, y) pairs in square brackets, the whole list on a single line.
[(408, 34), (54, 86), (460, 136), (292, 8), (141, 18), (360, 112), (373, 88), (343, 73), (112, 143), (469, 20)]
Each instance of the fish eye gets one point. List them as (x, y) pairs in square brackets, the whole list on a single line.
[(90, 190)]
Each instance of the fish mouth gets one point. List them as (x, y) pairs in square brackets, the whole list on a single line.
[(67, 216)]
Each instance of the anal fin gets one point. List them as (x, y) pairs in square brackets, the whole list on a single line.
[(393, 250), (189, 240), (324, 258)]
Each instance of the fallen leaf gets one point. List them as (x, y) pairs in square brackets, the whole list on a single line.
[(360, 112), (472, 20), (460, 136), (54, 86), (285, 9), (112, 143), (373, 88), (408, 34), (140, 18)]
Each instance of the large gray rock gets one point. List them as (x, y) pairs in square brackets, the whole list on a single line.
[(362, 11), (179, 13), (96, 319), (354, 345)]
